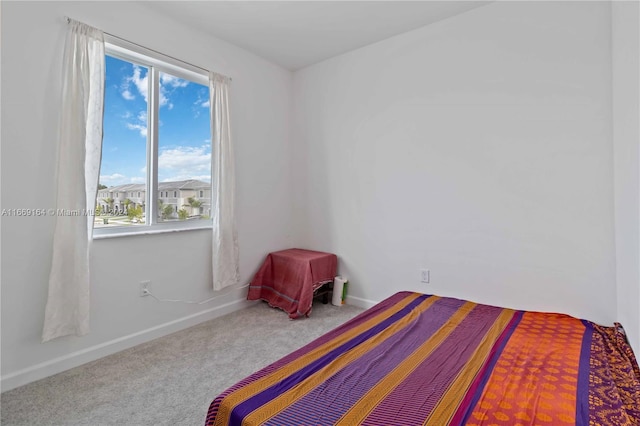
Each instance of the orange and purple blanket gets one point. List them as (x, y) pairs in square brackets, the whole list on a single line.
[(416, 359)]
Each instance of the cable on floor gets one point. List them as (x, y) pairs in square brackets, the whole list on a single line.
[(193, 302)]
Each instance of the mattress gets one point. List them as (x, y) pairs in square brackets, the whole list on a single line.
[(417, 359)]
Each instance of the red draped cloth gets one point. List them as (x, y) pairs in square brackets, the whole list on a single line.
[(288, 278)]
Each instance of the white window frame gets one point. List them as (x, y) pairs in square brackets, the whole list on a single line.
[(156, 63)]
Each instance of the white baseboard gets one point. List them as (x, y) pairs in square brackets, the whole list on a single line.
[(359, 302), (75, 359)]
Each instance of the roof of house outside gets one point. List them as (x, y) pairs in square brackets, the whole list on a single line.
[(162, 186)]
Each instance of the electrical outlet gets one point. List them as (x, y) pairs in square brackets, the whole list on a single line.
[(424, 275), (145, 288)]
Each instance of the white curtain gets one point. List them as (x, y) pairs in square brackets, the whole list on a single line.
[(226, 269), (78, 169)]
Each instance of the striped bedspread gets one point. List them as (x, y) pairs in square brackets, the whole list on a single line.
[(417, 359)]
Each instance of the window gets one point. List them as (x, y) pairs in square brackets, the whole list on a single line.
[(156, 140)]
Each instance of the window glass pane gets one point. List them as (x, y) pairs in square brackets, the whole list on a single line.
[(121, 200), (184, 150)]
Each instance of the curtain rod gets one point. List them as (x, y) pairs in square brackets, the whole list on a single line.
[(146, 48)]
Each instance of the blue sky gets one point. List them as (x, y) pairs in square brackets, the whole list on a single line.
[(184, 140)]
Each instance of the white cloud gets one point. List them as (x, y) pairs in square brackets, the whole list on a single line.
[(114, 176), (185, 162), (128, 95), (141, 128), (170, 80), (204, 103), (141, 83), (200, 103), (141, 125), (113, 179), (120, 179), (167, 84)]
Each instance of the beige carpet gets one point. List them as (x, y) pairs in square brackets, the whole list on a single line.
[(171, 380)]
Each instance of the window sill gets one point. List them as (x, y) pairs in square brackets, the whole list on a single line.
[(104, 234)]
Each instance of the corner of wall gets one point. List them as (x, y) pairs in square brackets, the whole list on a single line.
[(625, 83)]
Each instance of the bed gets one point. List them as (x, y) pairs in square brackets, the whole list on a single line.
[(416, 359)]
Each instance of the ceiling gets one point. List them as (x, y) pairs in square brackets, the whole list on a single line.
[(296, 34)]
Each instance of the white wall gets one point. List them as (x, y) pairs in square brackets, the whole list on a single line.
[(479, 147), (178, 264), (626, 144)]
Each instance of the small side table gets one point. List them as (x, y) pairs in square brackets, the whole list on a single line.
[(288, 279)]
